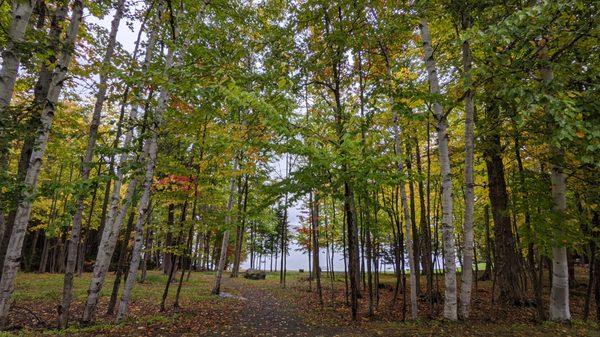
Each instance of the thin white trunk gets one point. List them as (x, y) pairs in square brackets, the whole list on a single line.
[(559, 293), (450, 301), (13, 253), (85, 168), (116, 214), (225, 243), (11, 58), (467, 270), (151, 152)]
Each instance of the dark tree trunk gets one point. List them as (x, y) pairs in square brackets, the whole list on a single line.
[(44, 256), (241, 227), (315, 238), (353, 249), (487, 274), (167, 260), (507, 262), (173, 263)]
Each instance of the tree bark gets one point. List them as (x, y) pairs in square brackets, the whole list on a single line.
[(40, 94), (450, 302), (559, 293), (314, 204), (11, 56), (85, 169), (123, 245), (467, 269), (14, 250), (216, 290), (116, 214), (240, 229), (507, 266), (151, 152), (174, 258)]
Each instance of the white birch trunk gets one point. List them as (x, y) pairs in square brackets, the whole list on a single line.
[(11, 58), (559, 292), (13, 253), (450, 301), (85, 169), (116, 214), (225, 243), (467, 270), (151, 153)]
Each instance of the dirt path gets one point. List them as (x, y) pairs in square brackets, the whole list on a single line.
[(265, 315)]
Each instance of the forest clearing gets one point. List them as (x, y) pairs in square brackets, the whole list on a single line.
[(300, 167)]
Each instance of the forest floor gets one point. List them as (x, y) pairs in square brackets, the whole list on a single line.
[(264, 308)]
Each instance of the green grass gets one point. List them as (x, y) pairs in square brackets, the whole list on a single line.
[(42, 292)]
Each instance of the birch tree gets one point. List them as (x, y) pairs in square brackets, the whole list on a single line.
[(11, 56), (225, 242), (116, 214), (86, 166), (150, 154), (13, 252), (467, 270), (559, 292), (450, 301)]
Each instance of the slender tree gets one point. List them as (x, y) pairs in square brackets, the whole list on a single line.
[(467, 270), (86, 167), (450, 302), (14, 250)]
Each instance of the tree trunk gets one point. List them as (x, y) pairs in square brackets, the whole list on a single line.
[(282, 269), (507, 262), (450, 303), (85, 169), (81, 250), (413, 216), (424, 226), (147, 254), (40, 93), (216, 290), (467, 269), (120, 265), (559, 293), (44, 256), (369, 264), (353, 259), (187, 254), (115, 214), (531, 256), (151, 152), (174, 258), (314, 205), (407, 219), (11, 57), (240, 229), (14, 250), (168, 242)]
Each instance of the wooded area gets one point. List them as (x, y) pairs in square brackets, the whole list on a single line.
[(453, 141)]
